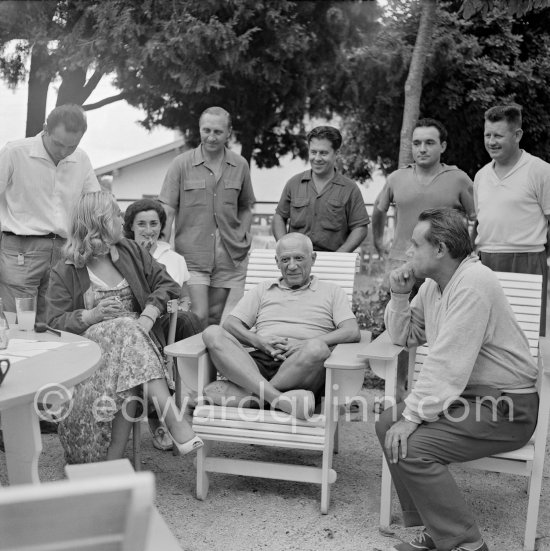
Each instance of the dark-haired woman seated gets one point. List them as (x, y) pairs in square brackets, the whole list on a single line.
[(144, 222), (110, 290)]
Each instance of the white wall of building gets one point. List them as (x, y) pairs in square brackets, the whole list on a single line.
[(144, 177)]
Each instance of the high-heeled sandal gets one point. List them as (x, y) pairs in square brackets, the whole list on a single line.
[(187, 447)]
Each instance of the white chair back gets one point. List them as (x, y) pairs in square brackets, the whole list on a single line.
[(98, 514)]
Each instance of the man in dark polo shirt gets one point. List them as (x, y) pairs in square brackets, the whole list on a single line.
[(209, 193), (322, 203)]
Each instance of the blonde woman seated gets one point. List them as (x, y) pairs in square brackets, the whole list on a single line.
[(110, 290)]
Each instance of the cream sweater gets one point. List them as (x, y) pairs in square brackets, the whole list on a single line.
[(473, 337)]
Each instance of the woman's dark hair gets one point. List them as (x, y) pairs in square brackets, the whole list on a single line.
[(143, 205)]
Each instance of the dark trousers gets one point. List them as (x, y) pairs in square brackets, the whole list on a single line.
[(427, 492), (522, 263), (188, 324)]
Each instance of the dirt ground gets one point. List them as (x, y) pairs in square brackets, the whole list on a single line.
[(248, 514)]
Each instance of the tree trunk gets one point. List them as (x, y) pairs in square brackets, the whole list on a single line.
[(72, 86), (39, 80), (413, 84), (75, 89)]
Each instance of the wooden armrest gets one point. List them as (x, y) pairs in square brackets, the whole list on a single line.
[(381, 348), (191, 347), (346, 355)]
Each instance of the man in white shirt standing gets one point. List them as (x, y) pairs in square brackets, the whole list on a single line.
[(41, 179), (512, 200)]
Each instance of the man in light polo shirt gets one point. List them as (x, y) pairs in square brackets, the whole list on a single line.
[(41, 179), (322, 203), (291, 323), (512, 199), (209, 193)]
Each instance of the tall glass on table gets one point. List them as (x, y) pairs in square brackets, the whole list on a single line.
[(26, 312)]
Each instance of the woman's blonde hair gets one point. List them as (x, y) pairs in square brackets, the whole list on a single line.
[(91, 230)]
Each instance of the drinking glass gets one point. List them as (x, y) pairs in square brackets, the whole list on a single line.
[(26, 312)]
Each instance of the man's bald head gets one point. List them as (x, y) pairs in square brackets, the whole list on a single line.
[(295, 257)]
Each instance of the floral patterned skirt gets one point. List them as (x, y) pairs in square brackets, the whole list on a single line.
[(129, 358)]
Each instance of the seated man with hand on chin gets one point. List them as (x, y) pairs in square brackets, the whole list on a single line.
[(292, 323), (475, 395)]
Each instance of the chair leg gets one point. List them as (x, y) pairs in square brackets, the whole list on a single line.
[(325, 485), (337, 436), (385, 495), (203, 481), (136, 442), (535, 487), (326, 468)]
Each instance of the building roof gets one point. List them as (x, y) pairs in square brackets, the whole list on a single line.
[(134, 159)]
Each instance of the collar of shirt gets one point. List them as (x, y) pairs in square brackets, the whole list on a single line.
[(336, 179), (521, 161), (312, 284), (444, 167), (198, 157), (38, 150)]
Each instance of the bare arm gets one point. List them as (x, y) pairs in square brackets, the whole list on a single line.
[(474, 234), (354, 239), (467, 201), (347, 331), (378, 225), (245, 216), (170, 214), (184, 290), (242, 333), (278, 226)]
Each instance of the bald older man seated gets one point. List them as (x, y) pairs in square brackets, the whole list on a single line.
[(292, 323)]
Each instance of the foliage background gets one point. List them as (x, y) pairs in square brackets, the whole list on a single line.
[(490, 59)]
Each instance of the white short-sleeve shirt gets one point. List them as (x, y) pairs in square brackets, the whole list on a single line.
[(37, 196), (511, 211), (175, 263)]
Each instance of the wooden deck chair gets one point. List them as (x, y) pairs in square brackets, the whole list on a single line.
[(101, 514), (172, 308), (159, 536), (344, 378), (524, 294)]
